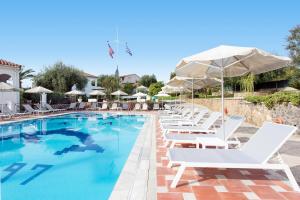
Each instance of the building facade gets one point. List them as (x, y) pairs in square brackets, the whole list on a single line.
[(9, 73), (130, 78), (91, 84)]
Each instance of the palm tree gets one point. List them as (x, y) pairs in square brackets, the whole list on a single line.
[(25, 74)]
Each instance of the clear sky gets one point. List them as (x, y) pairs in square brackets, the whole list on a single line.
[(38, 33)]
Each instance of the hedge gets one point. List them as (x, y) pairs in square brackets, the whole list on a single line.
[(277, 98)]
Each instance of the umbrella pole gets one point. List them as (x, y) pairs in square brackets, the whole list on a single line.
[(222, 99), (193, 100)]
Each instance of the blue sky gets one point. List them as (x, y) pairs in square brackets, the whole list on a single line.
[(39, 33)]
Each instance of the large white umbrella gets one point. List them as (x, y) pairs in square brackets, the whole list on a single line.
[(97, 93), (119, 93), (39, 90), (162, 94), (229, 61), (142, 88)]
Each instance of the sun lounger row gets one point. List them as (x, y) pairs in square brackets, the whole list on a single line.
[(201, 131)]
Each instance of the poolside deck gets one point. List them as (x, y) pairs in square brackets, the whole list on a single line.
[(219, 184)]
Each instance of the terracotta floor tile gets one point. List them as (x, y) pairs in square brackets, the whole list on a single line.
[(169, 196), (234, 185), (291, 195), (206, 192), (265, 192), (182, 186), (161, 180), (232, 196), (165, 171)]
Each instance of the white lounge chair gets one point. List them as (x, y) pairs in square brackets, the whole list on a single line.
[(156, 106), (30, 110), (104, 106), (72, 106), (255, 154), (137, 106), (114, 106), (219, 139), (191, 120), (50, 108), (184, 113), (81, 105), (93, 106), (10, 113), (145, 107)]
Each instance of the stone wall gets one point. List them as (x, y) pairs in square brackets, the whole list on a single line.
[(255, 114)]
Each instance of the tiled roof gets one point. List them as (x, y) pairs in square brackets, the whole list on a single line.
[(129, 75), (89, 75), (10, 64)]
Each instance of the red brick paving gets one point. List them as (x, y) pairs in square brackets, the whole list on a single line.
[(199, 183)]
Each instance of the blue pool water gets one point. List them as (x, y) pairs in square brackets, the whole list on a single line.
[(71, 157)]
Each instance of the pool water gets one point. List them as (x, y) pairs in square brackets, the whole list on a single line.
[(72, 157)]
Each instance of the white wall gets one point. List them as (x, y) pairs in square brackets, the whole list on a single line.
[(10, 98)]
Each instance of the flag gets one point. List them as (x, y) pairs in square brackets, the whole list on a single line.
[(110, 50), (128, 50)]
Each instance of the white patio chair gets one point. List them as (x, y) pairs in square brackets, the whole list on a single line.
[(219, 139), (114, 106), (104, 106), (255, 154), (145, 107), (137, 106)]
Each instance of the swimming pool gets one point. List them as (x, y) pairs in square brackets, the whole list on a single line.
[(74, 156)]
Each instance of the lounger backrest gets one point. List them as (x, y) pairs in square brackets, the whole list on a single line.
[(145, 106), (72, 105), (94, 105), (114, 106), (231, 124), (137, 106), (7, 110), (28, 108), (200, 115), (49, 107), (156, 106), (104, 106), (267, 141), (81, 105), (210, 120)]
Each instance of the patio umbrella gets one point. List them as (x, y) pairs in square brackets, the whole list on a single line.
[(162, 94), (97, 93), (119, 93), (74, 93), (140, 94), (5, 87), (193, 83), (229, 61), (39, 90), (141, 88)]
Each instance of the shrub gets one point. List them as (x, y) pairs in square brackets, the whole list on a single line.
[(277, 98)]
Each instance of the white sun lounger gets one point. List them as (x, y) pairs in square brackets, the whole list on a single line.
[(114, 106), (255, 154), (137, 106), (183, 113), (179, 122), (104, 106), (219, 139), (145, 107), (50, 108), (72, 106), (30, 110)]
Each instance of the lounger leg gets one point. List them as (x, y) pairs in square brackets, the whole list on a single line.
[(166, 143), (170, 164), (291, 178), (172, 144), (178, 176)]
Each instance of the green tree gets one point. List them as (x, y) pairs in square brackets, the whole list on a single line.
[(61, 78), (247, 83), (25, 74), (293, 44), (109, 82), (154, 88), (172, 75), (147, 80), (128, 88)]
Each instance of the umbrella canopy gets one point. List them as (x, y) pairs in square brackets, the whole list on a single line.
[(141, 87), (119, 93), (38, 90), (74, 93), (5, 87), (97, 93), (189, 83), (162, 94), (140, 94), (232, 60)]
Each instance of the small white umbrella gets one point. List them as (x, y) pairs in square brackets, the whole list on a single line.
[(162, 94), (74, 93), (97, 93), (142, 88), (119, 93), (39, 90), (140, 94)]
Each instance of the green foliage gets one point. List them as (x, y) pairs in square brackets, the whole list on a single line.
[(128, 88), (61, 78), (172, 75), (155, 88), (247, 83), (147, 80), (25, 74), (277, 98), (293, 44), (109, 82)]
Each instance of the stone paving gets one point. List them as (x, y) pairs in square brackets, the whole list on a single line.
[(208, 183)]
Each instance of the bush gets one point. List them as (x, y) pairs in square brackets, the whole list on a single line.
[(277, 98)]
